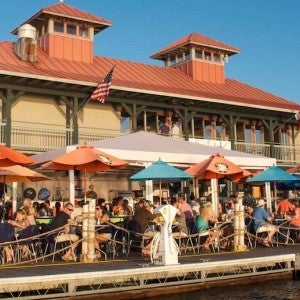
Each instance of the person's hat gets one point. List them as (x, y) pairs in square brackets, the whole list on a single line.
[(146, 203), (261, 202)]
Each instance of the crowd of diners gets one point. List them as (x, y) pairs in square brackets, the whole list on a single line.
[(191, 217)]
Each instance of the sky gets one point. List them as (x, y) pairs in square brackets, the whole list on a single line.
[(266, 31)]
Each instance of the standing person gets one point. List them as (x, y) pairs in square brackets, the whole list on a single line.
[(63, 218), (260, 222), (91, 192)]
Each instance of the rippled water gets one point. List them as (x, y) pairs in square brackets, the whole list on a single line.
[(271, 290)]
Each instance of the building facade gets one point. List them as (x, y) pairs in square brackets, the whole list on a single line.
[(49, 72)]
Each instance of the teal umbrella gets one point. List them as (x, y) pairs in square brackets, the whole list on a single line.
[(273, 174), (160, 170)]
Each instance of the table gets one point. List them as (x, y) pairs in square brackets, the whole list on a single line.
[(118, 218), (43, 220)]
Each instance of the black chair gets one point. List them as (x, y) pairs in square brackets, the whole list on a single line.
[(7, 234), (28, 237), (135, 238)]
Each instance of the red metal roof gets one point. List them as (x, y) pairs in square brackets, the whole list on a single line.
[(196, 39), (140, 77), (65, 10)]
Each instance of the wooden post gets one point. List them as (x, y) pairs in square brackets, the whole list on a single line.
[(239, 227), (88, 232), (84, 247), (91, 231)]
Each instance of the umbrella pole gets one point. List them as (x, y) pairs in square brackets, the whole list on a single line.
[(160, 192), (84, 185)]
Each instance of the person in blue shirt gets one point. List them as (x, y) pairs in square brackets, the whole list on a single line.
[(261, 222)]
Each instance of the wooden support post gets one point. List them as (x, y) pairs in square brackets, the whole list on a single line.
[(239, 227)]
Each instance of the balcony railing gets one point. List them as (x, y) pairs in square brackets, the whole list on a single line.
[(283, 154), (34, 138)]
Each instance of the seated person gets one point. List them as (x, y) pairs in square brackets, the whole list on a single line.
[(63, 218), (20, 223), (295, 220), (181, 229), (45, 210), (260, 222), (104, 233), (202, 224), (143, 217), (120, 207), (7, 234), (285, 207)]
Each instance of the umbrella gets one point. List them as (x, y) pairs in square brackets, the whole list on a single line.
[(214, 168), (273, 174), (20, 174), (10, 157), (87, 159), (160, 170)]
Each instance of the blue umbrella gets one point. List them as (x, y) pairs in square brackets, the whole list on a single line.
[(160, 170), (272, 174)]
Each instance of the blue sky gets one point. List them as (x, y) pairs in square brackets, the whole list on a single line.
[(267, 32)]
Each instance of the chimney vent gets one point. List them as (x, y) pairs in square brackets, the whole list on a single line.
[(26, 45)]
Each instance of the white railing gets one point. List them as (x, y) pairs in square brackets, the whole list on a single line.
[(34, 137), (283, 154)]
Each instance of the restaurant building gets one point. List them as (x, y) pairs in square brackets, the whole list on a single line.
[(49, 71)]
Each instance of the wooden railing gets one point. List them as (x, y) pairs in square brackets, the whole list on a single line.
[(34, 138)]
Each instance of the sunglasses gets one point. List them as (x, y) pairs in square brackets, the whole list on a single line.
[(70, 209), (97, 208)]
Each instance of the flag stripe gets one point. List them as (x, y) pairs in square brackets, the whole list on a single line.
[(102, 91)]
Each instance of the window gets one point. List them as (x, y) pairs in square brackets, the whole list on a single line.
[(58, 27), (187, 55), (217, 57), (207, 55), (83, 32), (198, 54), (172, 60), (179, 58), (71, 29)]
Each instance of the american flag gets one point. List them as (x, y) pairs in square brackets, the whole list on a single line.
[(102, 91)]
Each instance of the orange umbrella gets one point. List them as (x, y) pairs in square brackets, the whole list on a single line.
[(87, 159), (20, 174), (10, 157), (215, 167), (239, 177)]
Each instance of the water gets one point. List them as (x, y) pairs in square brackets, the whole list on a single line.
[(266, 290)]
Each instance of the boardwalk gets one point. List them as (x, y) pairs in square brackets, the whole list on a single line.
[(130, 276)]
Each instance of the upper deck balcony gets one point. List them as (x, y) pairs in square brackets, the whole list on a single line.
[(35, 138)]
